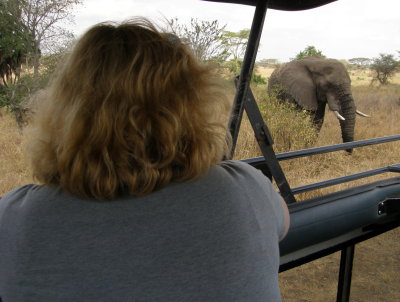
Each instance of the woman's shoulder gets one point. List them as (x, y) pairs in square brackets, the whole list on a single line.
[(241, 175), (257, 190), (242, 170), (20, 194), (236, 165), (23, 190)]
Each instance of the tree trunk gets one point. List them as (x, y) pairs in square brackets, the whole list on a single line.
[(36, 59)]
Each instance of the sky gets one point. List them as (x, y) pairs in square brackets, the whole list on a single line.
[(343, 29)]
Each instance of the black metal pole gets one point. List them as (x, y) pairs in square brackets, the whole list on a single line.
[(265, 141), (345, 273), (247, 69), (347, 178), (244, 100), (337, 147)]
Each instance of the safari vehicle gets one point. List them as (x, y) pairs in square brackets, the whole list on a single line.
[(326, 224)]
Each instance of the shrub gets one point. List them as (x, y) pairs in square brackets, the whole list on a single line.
[(309, 51), (291, 129), (15, 97), (384, 68), (259, 79)]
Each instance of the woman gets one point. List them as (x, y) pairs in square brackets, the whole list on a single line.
[(135, 203)]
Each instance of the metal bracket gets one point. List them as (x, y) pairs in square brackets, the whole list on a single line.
[(394, 168), (265, 133), (390, 205)]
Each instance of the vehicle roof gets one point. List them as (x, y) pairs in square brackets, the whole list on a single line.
[(288, 5)]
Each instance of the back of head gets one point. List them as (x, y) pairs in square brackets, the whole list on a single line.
[(130, 111)]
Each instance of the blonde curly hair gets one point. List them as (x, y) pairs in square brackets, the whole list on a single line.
[(130, 111)]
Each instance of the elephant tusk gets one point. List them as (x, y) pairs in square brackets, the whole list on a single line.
[(362, 114), (339, 116)]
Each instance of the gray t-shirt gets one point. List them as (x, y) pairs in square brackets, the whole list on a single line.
[(209, 239)]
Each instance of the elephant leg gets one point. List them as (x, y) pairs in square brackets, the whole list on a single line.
[(318, 116)]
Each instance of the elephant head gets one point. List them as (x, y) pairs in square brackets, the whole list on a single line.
[(313, 82)]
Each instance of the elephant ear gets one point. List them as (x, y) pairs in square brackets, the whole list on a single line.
[(297, 81)]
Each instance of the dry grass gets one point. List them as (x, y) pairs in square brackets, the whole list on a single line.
[(13, 169), (377, 262), (291, 131), (375, 274), (384, 109)]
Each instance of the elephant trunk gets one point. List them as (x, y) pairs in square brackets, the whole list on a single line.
[(348, 111)]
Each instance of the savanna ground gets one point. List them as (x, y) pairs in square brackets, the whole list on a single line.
[(376, 272)]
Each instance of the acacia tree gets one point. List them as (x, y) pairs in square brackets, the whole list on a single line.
[(360, 62), (204, 38), (235, 43), (41, 19), (384, 67), (268, 62), (309, 51), (211, 42)]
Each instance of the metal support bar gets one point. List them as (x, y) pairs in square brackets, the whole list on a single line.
[(247, 70), (345, 274), (343, 179), (390, 205), (338, 147), (244, 100), (265, 142)]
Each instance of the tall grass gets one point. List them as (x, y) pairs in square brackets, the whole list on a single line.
[(292, 130), (317, 280), (373, 279), (13, 169)]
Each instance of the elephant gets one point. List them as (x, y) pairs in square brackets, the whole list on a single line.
[(313, 82)]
